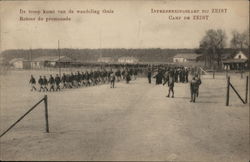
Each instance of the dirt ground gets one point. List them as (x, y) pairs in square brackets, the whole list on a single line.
[(133, 121)]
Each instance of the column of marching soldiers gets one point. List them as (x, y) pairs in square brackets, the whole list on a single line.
[(163, 75), (81, 79)]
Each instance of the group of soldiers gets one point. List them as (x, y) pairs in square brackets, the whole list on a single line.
[(79, 79), (163, 75), (172, 75)]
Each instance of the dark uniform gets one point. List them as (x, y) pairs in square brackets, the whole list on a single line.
[(57, 81), (45, 83), (170, 79), (52, 83), (149, 76), (112, 80), (194, 87), (40, 82), (33, 83)]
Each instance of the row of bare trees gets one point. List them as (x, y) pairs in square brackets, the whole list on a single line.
[(213, 43)]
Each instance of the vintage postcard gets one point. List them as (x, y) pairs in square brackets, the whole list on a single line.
[(124, 80)]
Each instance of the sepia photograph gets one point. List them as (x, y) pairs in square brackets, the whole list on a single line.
[(143, 80)]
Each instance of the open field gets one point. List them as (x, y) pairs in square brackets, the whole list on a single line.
[(130, 122)]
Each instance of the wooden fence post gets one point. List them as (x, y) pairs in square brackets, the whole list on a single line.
[(227, 96), (246, 89), (46, 113)]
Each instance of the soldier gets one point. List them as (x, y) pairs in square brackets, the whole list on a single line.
[(128, 78), (45, 83), (194, 87), (112, 80), (40, 82), (186, 75), (33, 83), (170, 80), (149, 75), (58, 81), (51, 83), (64, 80), (198, 82), (135, 73)]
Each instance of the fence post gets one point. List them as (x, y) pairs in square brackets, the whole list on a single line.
[(227, 97), (213, 73), (246, 89), (46, 113)]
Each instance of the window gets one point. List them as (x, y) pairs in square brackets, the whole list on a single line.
[(239, 56)]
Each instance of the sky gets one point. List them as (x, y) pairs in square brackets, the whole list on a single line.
[(131, 25)]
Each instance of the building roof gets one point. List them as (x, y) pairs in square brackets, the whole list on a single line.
[(53, 59), (128, 57), (240, 52), (16, 59), (187, 55), (235, 61)]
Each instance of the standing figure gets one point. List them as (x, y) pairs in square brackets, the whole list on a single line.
[(45, 83), (64, 80), (52, 83), (112, 80), (170, 79), (58, 81), (128, 78), (194, 87), (40, 82), (33, 83), (186, 76), (149, 76)]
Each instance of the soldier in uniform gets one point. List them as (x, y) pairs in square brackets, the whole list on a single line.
[(128, 77), (33, 83), (112, 80), (57, 81), (40, 82), (51, 83), (45, 84), (170, 80), (64, 80), (194, 87), (149, 75)]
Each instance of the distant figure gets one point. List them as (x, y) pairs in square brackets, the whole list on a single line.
[(112, 80), (170, 79), (40, 82), (186, 75), (45, 84), (128, 78), (158, 77), (33, 83), (149, 76), (57, 81), (194, 87), (52, 83), (64, 80)]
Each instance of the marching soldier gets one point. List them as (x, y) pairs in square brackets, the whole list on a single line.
[(58, 81), (194, 87), (149, 75), (128, 77), (40, 82), (64, 80), (112, 80), (33, 83), (170, 80), (45, 83), (51, 83)]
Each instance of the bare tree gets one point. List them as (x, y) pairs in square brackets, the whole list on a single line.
[(239, 41), (212, 45)]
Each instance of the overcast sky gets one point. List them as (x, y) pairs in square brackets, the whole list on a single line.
[(132, 25)]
